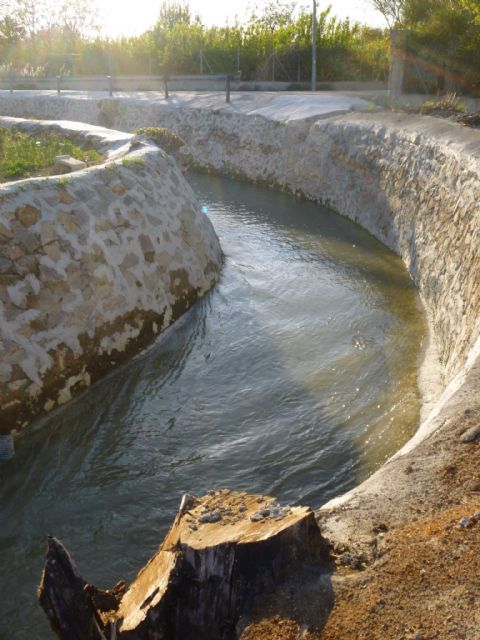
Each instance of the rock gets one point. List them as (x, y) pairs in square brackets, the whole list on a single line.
[(464, 523), (471, 435), (353, 560), (256, 517), (65, 197), (198, 585), (27, 215), (119, 190), (275, 512), (6, 266), (67, 164), (210, 517), (472, 485)]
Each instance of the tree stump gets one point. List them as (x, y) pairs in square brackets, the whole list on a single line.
[(222, 551)]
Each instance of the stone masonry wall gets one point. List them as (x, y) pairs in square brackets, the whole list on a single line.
[(93, 266), (413, 182)]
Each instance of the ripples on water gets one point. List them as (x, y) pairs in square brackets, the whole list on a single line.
[(295, 377)]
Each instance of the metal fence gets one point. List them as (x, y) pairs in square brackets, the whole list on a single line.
[(112, 84), (210, 82)]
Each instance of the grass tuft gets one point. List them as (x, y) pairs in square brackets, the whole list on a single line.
[(449, 102), (132, 161)]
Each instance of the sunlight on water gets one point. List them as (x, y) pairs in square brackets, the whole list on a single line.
[(296, 377)]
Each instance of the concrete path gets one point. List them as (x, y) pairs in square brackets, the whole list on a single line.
[(282, 107)]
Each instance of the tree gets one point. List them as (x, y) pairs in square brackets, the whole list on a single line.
[(391, 10), (78, 17), (173, 12), (444, 42), (32, 15), (274, 15), (10, 30)]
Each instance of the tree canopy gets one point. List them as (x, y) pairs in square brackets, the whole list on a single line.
[(43, 38)]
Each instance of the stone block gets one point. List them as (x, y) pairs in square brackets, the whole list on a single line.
[(67, 164), (29, 242), (27, 215), (65, 197), (6, 266)]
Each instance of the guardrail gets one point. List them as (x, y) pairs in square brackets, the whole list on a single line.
[(112, 83)]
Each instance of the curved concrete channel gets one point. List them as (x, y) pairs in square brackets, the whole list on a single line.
[(413, 182)]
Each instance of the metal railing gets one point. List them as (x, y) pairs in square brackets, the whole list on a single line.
[(111, 83)]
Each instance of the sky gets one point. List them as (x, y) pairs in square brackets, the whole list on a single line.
[(127, 17)]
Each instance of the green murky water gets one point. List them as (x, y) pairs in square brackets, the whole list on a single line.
[(295, 377)]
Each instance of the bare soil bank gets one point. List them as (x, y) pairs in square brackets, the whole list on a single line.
[(414, 580)]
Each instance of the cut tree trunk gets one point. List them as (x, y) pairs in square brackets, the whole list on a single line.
[(222, 551)]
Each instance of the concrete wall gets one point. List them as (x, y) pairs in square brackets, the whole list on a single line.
[(93, 266)]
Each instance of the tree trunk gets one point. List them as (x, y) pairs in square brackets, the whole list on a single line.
[(222, 551)]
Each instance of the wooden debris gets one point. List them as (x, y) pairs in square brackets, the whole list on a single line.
[(72, 605), (222, 551)]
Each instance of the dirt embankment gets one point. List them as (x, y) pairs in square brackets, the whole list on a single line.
[(422, 579)]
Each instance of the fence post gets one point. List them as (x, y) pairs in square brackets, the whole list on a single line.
[(165, 86), (397, 64), (12, 83), (227, 88), (58, 84), (449, 84), (110, 85)]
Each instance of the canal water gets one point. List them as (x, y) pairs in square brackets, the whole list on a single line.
[(295, 377)]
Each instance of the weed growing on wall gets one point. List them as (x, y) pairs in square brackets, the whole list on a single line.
[(162, 137)]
